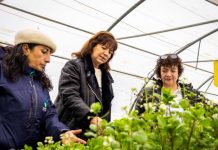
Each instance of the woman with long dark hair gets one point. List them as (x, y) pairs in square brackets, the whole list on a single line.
[(27, 114)]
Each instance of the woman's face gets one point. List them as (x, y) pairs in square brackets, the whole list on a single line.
[(38, 57), (100, 55), (169, 75)]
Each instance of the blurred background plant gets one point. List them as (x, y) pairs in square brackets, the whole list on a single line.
[(193, 127)]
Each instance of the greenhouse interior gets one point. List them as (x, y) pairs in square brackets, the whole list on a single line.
[(145, 30)]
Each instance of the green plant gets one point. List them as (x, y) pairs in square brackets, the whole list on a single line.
[(193, 128)]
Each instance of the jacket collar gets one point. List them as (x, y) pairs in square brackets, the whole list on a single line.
[(31, 72), (90, 74), (89, 68)]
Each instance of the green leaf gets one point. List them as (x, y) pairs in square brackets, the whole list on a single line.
[(26, 147), (139, 137), (115, 145), (184, 104), (167, 96), (96, 108), (187, 115), (198, 112), (109, 130), (40, 144), (161, 121), (93, 127), (90, 134), (157, 96)]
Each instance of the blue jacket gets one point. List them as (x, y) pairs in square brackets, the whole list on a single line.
[(27, 114)]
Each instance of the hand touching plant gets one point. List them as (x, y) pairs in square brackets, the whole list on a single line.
[(96, 109), (96, 121), (69, 137)]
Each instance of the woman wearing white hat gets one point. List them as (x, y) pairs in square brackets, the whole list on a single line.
[(27, 114)]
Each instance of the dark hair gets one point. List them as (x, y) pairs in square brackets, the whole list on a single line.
[(15, 65), (103, 37), (169, 61)]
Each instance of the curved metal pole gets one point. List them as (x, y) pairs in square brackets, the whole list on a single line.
[(199, 46), (193, 42), (134, 102), (117, 71), (198, 68), (209, 86), (65, 58), (168, 30), (48, 19), (213, 2), (211, 93), (199, 61), (125, 14), (205, 82), (5, 43)]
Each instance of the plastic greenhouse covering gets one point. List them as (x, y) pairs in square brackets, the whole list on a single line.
[(145, 29)]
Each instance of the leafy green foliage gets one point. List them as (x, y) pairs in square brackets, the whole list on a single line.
[(194, 127)]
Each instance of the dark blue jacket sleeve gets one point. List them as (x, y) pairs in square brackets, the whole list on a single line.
[(52, 124)]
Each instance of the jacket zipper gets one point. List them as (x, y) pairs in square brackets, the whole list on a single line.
[(95, 95), (31, 103), (98, 100), (35, 94)]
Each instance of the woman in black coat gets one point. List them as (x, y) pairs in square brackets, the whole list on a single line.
[(86, 80)]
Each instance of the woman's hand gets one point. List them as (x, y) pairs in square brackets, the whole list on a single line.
[(69, 136), (96, 121)]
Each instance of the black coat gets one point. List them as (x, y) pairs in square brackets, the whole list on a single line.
[(78, 89), (148, 92)]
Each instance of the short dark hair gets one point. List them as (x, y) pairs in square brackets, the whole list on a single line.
[(169, 60)]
